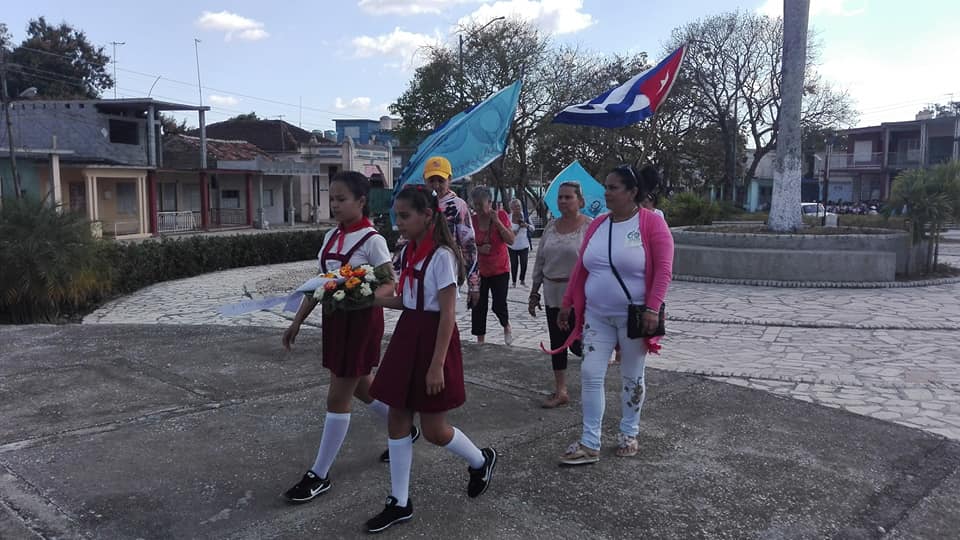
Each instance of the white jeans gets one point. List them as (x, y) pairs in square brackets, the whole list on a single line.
[(600, 336)]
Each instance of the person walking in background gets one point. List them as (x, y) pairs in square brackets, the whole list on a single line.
[(520, 249), (351, 339), (556, 256), (650, 185), (437, 174), (493, 235), (422, 370), (626, 257)]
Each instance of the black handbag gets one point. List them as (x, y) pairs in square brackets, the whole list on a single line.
[(635, 312)]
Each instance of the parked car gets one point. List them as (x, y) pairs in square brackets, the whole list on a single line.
[(812, 209)]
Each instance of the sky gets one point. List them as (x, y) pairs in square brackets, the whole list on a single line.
[(312, 61)]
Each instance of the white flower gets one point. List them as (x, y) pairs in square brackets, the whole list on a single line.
[(318, 294), (369, 277), (366, 290), (366, 268), (339, 295)]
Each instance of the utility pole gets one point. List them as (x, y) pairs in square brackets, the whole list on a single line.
[(196, 50), (115, 82), (5, 99)]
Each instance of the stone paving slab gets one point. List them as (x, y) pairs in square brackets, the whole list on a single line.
[(716, 461), (886, 353)]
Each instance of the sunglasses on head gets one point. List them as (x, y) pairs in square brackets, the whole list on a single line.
[(628, 170)]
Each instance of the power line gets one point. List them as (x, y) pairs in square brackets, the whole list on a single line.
[(212, 89)]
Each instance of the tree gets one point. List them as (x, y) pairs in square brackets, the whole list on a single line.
[(249, 117), (787, 167), (5, 37), (733, 64), (170, 125), (60, 62), (932, 198)]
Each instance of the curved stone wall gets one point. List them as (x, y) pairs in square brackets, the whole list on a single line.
[(792, 257)]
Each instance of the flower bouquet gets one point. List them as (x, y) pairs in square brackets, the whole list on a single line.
[(349, 288)]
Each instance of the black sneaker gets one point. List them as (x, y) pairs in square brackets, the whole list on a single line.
[(307, 488), (391, 514), (414, 435), (480, 478)]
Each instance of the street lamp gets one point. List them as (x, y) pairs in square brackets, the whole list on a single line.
[(26, 94), (460, 55)]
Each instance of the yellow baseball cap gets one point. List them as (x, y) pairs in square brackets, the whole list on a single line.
[(437, 166)]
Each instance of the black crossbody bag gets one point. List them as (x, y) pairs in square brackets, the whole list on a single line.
[(635, 312)]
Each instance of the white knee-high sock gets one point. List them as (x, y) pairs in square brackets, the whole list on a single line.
[(462, 446), (401, 460), (334, 431), (380, 409)]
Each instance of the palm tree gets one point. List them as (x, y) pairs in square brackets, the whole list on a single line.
[(48, 262), (932, 199)]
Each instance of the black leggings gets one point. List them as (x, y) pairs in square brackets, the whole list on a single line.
[(518, 258), (499, 285), (558, 337)]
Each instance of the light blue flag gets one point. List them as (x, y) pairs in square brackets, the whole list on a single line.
[(471, 140), (592, 191)]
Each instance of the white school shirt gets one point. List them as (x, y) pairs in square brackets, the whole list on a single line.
[(605, 297), (441, 273), (373, 252)]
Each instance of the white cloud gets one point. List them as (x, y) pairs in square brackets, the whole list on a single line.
[(841, 8), (233, 25), (553, 16), (223, 101), (409, 7), (398, 44), (358, 103), (360, 106)]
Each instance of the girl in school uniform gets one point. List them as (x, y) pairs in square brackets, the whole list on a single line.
[(422, 370), (351, 339)]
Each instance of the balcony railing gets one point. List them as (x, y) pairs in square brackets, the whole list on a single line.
[(856, 161), (229, 217), (174, 222), (905, 159)]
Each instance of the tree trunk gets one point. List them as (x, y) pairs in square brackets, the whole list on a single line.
[(936, 248), (785, 207), (929, 262)]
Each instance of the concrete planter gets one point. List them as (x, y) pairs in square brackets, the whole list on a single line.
[(795, 257)]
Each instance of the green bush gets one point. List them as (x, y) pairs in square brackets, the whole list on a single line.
[(136, 265), (690, 209), (49, 264), (879, 221), (51, 267)]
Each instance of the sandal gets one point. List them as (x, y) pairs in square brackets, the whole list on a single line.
[(556, 400), (627, 446), (577, 454)]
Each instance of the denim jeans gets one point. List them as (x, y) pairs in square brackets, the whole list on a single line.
[(600, 336)]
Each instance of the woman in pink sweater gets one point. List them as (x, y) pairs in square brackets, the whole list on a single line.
[(639, 245)]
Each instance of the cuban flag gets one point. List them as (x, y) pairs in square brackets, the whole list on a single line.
[(629, 103)]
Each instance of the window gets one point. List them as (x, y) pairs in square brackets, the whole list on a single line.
[(126, 198), (168, 197), (230, 198), (267, 198), (352, 131), (124, 132)]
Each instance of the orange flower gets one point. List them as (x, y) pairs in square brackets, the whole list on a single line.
[(352, 282), (346, 270), (359, 273), (330, 286)]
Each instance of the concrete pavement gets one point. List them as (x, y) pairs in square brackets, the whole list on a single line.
[(886, 353), (173, 431)]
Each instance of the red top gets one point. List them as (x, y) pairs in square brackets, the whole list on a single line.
[(497, 261)]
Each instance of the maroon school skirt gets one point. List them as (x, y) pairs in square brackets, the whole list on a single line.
[(401, 381), (351, 341)]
